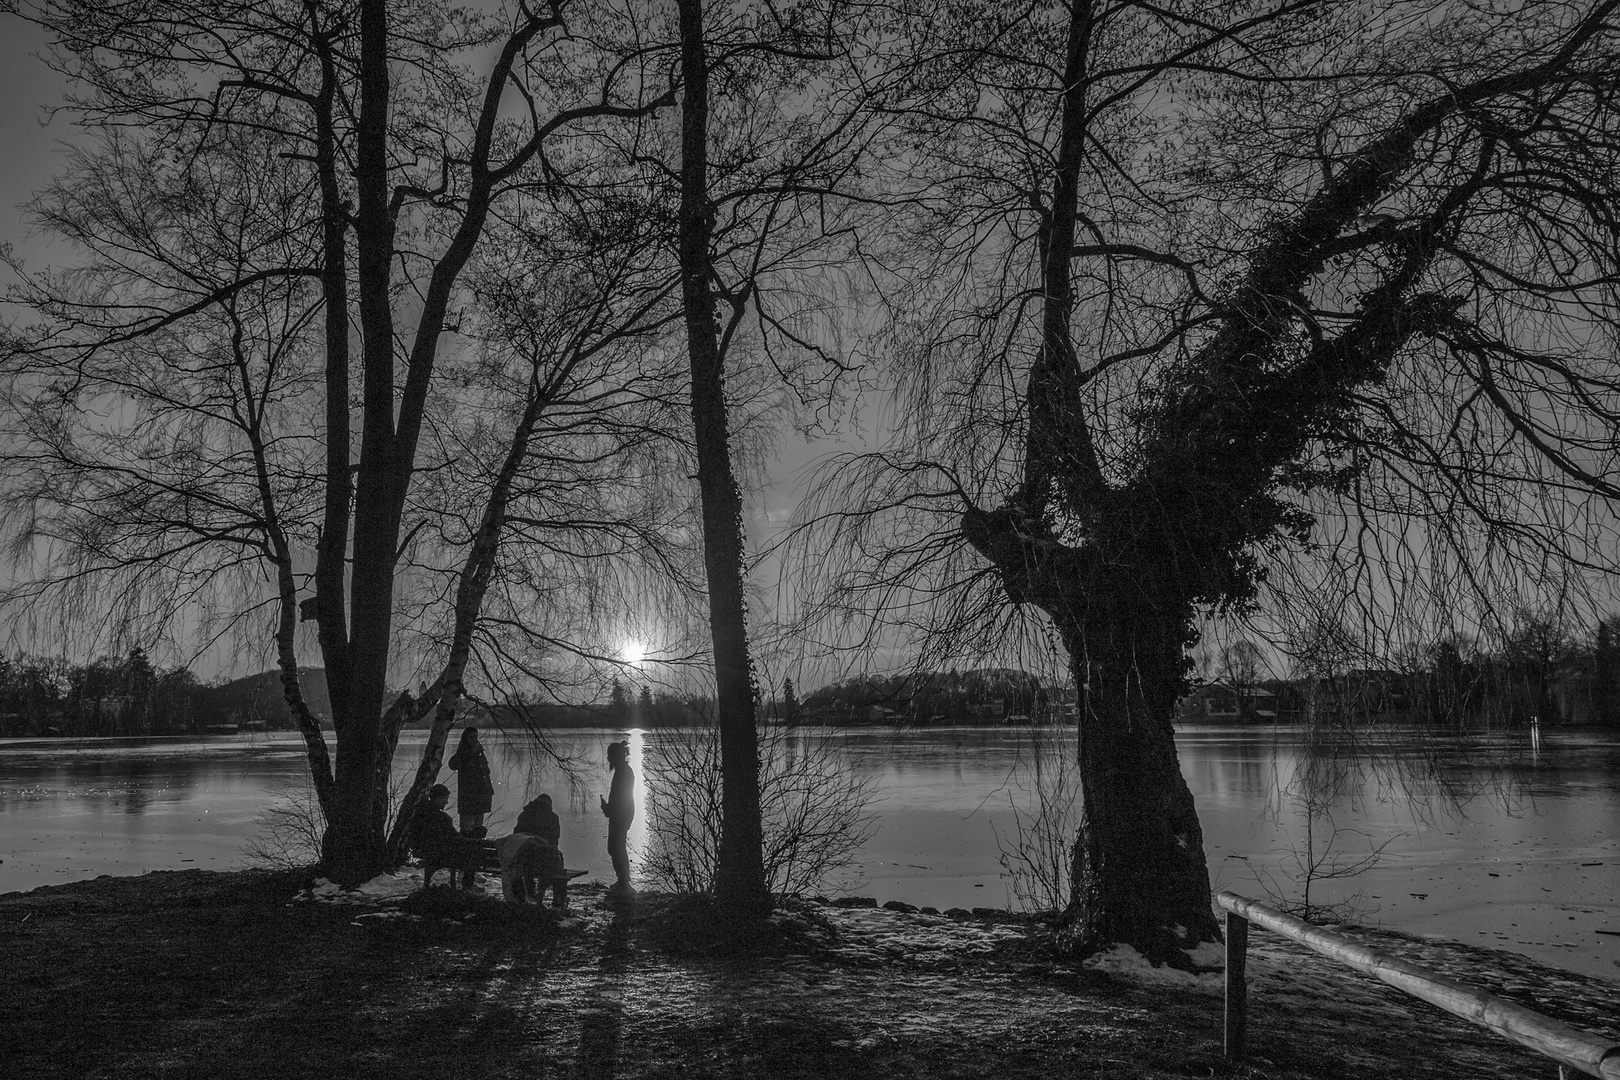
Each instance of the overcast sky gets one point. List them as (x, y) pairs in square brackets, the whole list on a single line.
[(31, 151)]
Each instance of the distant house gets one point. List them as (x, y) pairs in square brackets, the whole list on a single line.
[(1578, 697), (1371, 693), (1220, 701)]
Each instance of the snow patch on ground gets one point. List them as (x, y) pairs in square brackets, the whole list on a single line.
[(1126, 962), (1209, 955), (387, 888)]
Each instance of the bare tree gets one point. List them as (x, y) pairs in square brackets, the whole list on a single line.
[(386, 159), (1198, 288), (739, 879), (761, 177), (1242, 666)]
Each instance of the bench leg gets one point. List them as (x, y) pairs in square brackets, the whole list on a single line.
[(559, 894)]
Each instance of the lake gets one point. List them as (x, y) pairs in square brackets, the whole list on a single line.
[(1511, 841)]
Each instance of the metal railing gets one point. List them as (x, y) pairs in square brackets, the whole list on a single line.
[(1571, 1047)]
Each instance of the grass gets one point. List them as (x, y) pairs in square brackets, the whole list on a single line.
[(198, 974)]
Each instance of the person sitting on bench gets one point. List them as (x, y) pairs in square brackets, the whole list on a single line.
[(437, 843)]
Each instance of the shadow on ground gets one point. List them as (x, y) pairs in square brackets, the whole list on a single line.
[(198, 974)]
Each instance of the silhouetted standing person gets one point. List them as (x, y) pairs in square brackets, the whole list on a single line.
[(475, 791), (620, 809)]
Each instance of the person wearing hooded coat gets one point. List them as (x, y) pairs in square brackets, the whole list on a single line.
[(475, 791)]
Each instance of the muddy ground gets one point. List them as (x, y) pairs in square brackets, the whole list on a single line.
[(245, 974)]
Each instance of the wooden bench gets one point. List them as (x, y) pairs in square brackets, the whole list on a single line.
[(489, 861)]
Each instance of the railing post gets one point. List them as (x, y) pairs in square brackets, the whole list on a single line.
[(1237, 997), (1575, 1050)]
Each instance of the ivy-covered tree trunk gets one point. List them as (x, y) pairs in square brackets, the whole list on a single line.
[(1137, 871), (1138, 875)]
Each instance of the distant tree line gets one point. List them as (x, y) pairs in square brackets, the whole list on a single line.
[(625, 707), (1539, 668), (923, 698), (128, 695)]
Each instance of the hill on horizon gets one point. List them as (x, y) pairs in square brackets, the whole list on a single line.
[(258, 697)]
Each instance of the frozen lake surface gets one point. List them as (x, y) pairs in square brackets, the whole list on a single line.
[(1503, 840)]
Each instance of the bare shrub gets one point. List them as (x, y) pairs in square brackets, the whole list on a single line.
[(1318, 854), (1036, 857), (289, 831), (815, 811)]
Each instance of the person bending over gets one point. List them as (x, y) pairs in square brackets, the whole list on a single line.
[(531, 856), (538, 819)]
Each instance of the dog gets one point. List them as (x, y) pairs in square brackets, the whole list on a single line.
[(527, 864)]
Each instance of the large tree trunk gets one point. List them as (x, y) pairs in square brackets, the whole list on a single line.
[(1138, 875), (1137, 872), (739, 884), (352, 849)]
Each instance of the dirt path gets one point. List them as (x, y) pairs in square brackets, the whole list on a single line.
[(195, 974)]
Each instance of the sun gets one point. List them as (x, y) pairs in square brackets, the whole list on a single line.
[(633, 653)]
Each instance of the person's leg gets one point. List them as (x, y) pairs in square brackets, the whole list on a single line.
[(619, 852), (470, 854)]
